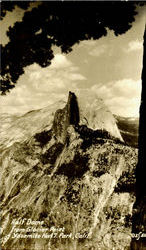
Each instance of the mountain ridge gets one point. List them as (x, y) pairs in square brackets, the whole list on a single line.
[(95, 115)]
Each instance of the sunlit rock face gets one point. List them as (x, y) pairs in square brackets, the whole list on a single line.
[(61, 168), (95, 114)]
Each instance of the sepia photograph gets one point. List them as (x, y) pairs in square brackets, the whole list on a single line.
[(72, 125)]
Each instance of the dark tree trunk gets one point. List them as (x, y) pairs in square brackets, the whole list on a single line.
[(139, 208)]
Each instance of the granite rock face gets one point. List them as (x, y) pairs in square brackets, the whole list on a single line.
[(82, 110), (65, 185)]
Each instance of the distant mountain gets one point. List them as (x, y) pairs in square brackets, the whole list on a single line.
[(67, 167), (128, 127)]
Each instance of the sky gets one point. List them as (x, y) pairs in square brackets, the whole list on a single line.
[(110, 67)]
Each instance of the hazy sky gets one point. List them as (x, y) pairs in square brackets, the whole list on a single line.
[(110, 67)]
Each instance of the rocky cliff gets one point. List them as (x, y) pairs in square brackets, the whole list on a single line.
[(67, 179), (69, 115)]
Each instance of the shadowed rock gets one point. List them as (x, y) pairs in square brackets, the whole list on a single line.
[(69, 115)]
